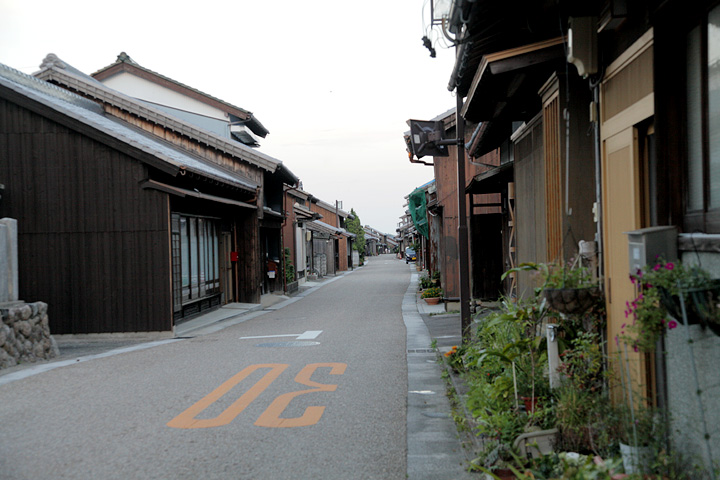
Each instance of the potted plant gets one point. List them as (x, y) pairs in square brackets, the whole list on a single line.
[(660, 288), (639, 436), (425, 283), (570, 289), (432, 295)]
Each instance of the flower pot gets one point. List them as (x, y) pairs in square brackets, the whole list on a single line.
[(636, 459), (705, 304), (531, 403), (504, 474), (432, 300), (571, 300), (702, 306)]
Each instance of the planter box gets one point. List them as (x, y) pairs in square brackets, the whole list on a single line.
[(292, 287), (536, 444)]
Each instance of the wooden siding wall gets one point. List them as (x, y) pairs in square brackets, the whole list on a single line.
[(580, 223), (446, 188), (92, 243), (249, 269), (288, 229), (629, 86), (531, 240), (343, 252), (553, 185)]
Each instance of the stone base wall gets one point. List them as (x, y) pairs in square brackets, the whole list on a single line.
[(25, 334)]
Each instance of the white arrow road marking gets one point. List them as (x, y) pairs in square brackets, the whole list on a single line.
[(309, 335)]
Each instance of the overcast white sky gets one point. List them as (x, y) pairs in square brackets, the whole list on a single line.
[(332, 80)]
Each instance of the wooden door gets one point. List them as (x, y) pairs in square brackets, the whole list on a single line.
[(226, 267), (622, 202)]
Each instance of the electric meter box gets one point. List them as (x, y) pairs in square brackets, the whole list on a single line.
[(646, 245)]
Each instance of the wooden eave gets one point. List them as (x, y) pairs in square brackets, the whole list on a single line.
[(184, 192), (501, 75), (505, 90), (494, 180), (495, 26)]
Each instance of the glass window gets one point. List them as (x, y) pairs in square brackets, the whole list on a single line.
[(713, 72), (694, 119), (185, 254), (202, 256), (702, 113), (198, 265)]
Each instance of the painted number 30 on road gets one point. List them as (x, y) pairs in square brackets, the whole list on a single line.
[(271, 416)]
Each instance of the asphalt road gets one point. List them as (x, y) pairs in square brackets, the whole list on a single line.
[(330, 404)]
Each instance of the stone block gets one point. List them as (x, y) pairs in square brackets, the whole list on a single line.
[(9, 288)]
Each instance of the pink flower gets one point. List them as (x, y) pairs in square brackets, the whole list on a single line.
[(669, 265), (656, 267), (672, 324)]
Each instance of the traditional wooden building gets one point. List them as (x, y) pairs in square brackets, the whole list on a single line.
[(270, 173), (331, 230), (172, 232), (603, 114), (297, 238)]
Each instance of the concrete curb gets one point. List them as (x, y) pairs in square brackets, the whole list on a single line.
[(433, 447)]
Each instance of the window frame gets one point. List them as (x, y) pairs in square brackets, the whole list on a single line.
[(706, 219)]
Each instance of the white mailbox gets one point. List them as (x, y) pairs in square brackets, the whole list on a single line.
[(647, 244)]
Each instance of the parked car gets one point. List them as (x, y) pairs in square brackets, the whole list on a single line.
[(410, 255)]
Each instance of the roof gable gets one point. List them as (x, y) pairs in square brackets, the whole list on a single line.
[(125, 64)]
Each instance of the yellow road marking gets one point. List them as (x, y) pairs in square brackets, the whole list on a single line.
[(271, 416), (187, 418)]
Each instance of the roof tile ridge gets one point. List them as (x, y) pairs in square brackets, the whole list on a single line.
[(121, 100)]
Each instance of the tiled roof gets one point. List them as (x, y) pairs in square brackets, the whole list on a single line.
[(94, 89), (92, 115)]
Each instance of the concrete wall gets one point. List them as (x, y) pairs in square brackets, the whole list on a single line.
[(688, 429)]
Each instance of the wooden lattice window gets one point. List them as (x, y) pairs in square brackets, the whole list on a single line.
[(553, 175)]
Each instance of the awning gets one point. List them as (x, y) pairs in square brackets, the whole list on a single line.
[(505, 90), (182, 192), (245, 138), (494, 180), (322, 227), (304, 213)]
